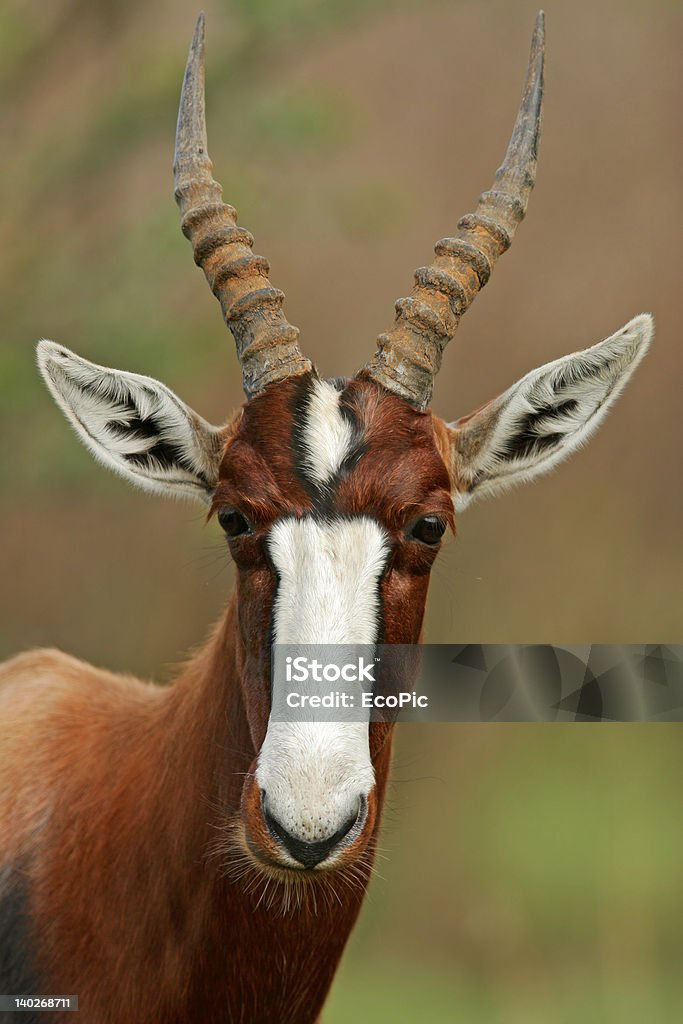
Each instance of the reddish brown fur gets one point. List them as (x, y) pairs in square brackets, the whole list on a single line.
[(131, 807)]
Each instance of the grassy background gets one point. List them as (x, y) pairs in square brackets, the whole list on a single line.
[(532, 874)]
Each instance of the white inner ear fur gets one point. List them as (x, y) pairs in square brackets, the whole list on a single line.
[(134, 425), (545, 416)]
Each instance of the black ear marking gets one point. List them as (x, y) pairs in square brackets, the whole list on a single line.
[(164, 454), (567, 406), (528, 441), (527, 444), (142, 428)]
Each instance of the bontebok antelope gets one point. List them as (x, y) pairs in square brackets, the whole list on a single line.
[(172, 854)]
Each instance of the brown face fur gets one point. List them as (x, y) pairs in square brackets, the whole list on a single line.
[(395, 473)]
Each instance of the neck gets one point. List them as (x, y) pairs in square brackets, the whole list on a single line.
[(270, 944)]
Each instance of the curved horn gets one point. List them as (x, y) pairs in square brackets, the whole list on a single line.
[(408, 357), (267, 344)]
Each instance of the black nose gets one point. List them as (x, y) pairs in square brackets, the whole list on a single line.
[(310, 854)]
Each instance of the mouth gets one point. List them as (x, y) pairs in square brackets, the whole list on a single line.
[(281, 868), (277, 888), (273, 848), (323, 855)]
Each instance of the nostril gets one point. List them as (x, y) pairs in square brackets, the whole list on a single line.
[(310, 854)]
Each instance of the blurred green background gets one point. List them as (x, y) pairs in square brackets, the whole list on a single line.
[(530, 875)]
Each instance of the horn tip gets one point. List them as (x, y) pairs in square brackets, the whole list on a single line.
[(197, 45), (195, 58), (539, 31)]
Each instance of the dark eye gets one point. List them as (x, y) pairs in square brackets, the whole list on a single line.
[(428, 530), (233, 522)]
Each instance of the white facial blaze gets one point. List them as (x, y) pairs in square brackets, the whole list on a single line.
[(315, 774), (328, 574), (326, 435)]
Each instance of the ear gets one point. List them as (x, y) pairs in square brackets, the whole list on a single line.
[(545, 416), (134, 424)]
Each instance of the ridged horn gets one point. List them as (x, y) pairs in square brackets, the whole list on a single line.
[(267, 345), (408, 357)]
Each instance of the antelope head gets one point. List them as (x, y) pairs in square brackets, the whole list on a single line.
[(335, 495)]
